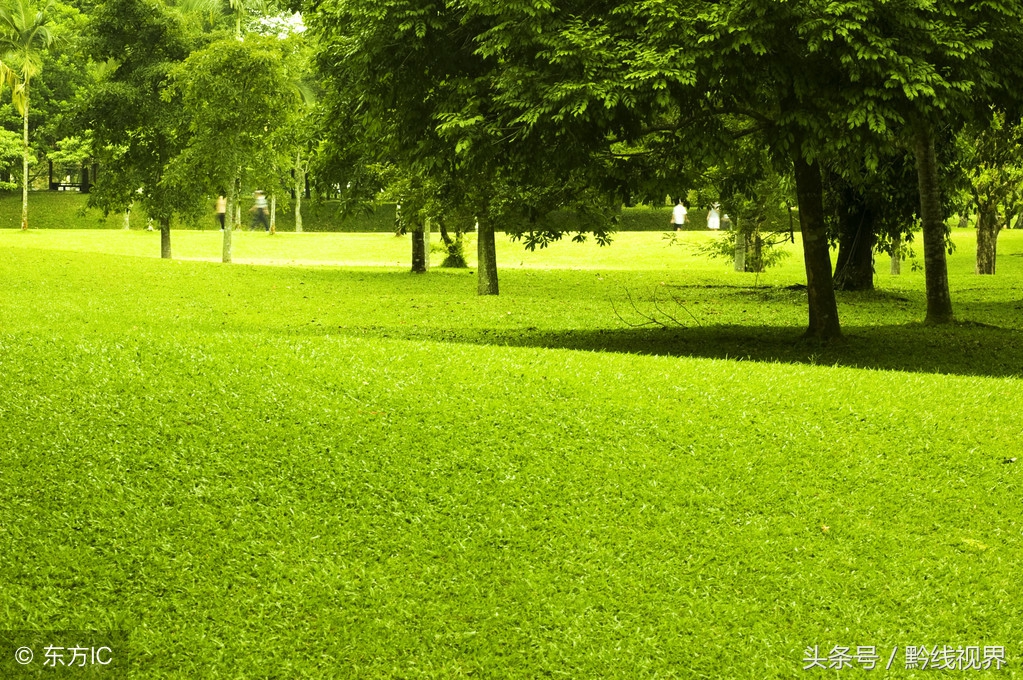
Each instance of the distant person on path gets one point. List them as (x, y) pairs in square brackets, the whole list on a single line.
[(221, 210), (262, 215), (714, 217), (679, 215)]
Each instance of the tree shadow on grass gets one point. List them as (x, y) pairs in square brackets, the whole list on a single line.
[(989, 343), (958, 349)]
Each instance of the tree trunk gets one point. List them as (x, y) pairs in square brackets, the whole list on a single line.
[(273, 214), (226, 254), (127, 217), (24, 164), (234, 209), (987, 238), (824, 324), (756, 262), (854, 266), (165, 248), (939, 301), (455, 253), (299, 181), (426, 242), (419, 252), (237, 214), (896, 269), (486, 253), (740, 249)]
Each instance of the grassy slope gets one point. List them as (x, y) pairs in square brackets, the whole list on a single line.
[(319, 472)]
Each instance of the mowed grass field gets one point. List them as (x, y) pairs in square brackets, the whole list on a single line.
[(280, 469)]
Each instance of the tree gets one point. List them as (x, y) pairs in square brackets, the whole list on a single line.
[(869, 207), (55, 90), (650, 72), (421, 94), (237, 107), (138, 125), (918, 68), (24, 35), (992, 157)]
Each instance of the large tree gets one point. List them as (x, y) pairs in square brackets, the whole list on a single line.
[(422, 97), (669, 74), (918, 68)]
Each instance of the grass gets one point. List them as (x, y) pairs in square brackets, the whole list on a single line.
[(301, 471)]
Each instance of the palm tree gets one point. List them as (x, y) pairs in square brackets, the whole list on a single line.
[(24, 35), (210, 10)]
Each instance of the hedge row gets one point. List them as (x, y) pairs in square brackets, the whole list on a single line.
[(67, 210)]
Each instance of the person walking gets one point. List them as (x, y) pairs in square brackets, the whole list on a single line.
[(714, 217), (679, 215), (261, 214), (221, 210)]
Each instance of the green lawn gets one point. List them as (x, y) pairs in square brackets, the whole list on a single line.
[(354, 472)]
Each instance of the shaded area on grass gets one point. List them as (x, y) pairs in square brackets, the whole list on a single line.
[(555, 309), (963, 349)]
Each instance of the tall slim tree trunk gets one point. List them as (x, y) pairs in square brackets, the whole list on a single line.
[(896, 268), (987, 238), (273, 214), (165, 248), (127, 217), (486, 254), (226, 254), (854, 266), (426, 241), (756, 262), (939, 301), (24, 164), (740, 249), (236, 197), (419, 253), (824, 324), (299, 181)]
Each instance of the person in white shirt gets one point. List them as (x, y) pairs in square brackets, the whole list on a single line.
[(221, 210), (261, 214), (679, 215)]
